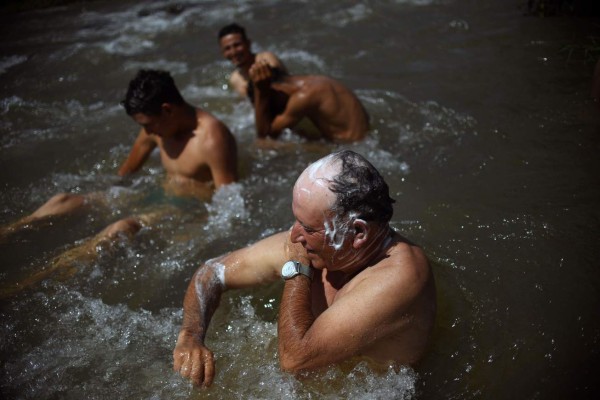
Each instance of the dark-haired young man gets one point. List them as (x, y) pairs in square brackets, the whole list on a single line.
[(197, 150), (236, 47), (353, 286)]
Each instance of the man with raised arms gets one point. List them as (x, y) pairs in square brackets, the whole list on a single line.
[(281, 101), (236, 47), (197, 150), (353, 286)]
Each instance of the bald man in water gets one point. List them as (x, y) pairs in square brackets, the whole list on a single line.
[(197, 150), (354, 288)]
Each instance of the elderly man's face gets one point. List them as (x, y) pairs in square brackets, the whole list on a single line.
[(325, 239)]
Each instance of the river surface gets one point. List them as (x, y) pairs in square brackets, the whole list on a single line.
[(483, 127)]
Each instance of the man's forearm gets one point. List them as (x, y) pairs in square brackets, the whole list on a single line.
[(202, 299), (263, 117), (295, 319), (191, 358)]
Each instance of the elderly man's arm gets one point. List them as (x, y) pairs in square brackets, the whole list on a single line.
[(191, 358), (251, 266), (375, 309)]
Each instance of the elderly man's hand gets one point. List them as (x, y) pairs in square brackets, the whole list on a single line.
[(193, 360)]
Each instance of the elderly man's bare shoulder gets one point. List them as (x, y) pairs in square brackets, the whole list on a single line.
[(404, 267)]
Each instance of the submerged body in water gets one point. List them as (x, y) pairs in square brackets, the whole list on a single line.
[(361, 290), (481, 125), (197, 151)]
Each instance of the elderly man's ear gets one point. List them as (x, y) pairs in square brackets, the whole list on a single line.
[(361, 233)]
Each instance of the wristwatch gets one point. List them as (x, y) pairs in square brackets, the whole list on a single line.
[(293, 268)]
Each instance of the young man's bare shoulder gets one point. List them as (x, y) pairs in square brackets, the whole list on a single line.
[(211, 134), (318, 87), (238, 82), (210, 126)]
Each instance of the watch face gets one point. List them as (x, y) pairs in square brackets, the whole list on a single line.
[(288, 270)]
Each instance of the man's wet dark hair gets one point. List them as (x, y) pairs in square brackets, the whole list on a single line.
[(360, 188), (232, 28), (149, 90)]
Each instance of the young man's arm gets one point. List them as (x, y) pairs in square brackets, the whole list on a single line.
[(240, 84), (269, 124), (221, 154), (142, 147), (272, 60), (255, 265)]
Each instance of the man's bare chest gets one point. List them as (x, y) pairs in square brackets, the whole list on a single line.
[(184, 159)]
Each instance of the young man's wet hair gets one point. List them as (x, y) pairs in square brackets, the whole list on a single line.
[(230, 29), (148, 91)]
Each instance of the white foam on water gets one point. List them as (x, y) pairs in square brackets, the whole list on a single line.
[(127, 45), (302, 57), (349, 15), (226, 207), (241, 120), (410, 130), (84, 353), (7, 62), (47, 120), (459, 24), (197, 94)]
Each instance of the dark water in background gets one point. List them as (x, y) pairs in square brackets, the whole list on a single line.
[(483, 128)]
